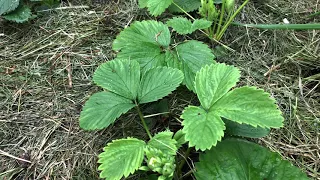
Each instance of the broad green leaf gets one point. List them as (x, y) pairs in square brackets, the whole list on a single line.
[(250, 106), (158, 83), (214, 81), (19, 15), (202, 129), (142, 41), (157, 7), (184, 26), (200, 24), (179, 137), (102, 109), (187, 5), (181, 25), (172, 60), (195, 54), (189, 77), (143, 3), (121, 158), (235, 159), (119, 76), (244, 130), (8, 6), (163, 141)]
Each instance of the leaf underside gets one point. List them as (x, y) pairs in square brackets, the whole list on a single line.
[(163, 141), (102, 109), (121, 158), (235, 159), (251, 106), (158, 83), (119, 76), (203, 130)]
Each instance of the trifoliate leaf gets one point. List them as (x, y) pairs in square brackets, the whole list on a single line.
[(8, 6), (179, 137), (119, 76), (214, 81), (102, 109), (121, 158), (158, 83), (250, 106), (244, 130), (187, 5), (180, 24), (202, 129), (157, 7), (195, 54), (163, 141), (184, 26), (235, 159), (200, 24), (143, 42), (19, 15)]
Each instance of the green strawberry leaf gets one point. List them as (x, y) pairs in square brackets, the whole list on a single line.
[(251, 106), (200, 24), (119, 76), (163, 141), (187, 5), (143, 42), (202, 129), (19, 15), (158, 83), (184, 26), (244, 130), (8, 6), (121, 158), (157, 7), (102, 109), (179, 137), (214, 81), (234, 159)]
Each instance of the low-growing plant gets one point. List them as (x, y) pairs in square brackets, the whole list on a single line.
[(127, 84), (20, 11)]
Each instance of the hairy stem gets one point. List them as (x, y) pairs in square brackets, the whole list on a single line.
[(231, 19), (143, 121)]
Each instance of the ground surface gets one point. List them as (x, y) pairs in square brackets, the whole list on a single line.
[(46, 68)]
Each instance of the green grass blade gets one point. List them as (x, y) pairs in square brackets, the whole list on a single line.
[(281, 26)]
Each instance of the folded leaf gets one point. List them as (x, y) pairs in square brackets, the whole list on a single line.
[(203, 130), (158, 83), (214, 81), (119, 76), (180, 138), (250, 106), (157, 7), (164, 142), (235, 159), (102, 109), (195, 54), (121, 158)]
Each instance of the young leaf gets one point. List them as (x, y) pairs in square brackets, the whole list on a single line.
[(195, 54), (250, 106), (184, 26), (158, 83), (142, 41), (179, 137), (121, 158), (19, 15), (214, 81), (180, 24), (119, 76), (157, 7), (187, 5), (239, 159), (8, 6), (244, 130), (163, 141), (102, 109), (203, 130)]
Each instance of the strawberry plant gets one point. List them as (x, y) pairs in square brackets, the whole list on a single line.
[(129, 82)]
